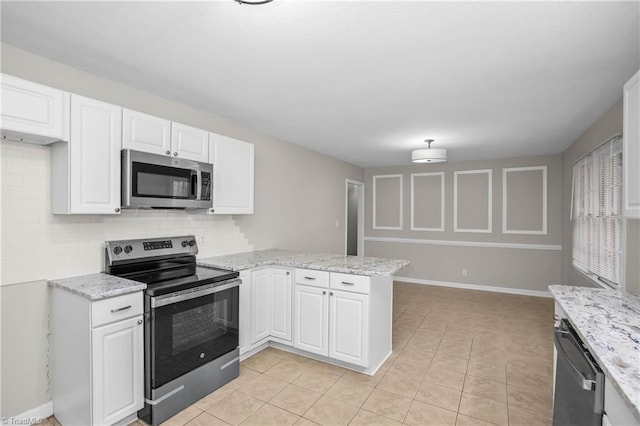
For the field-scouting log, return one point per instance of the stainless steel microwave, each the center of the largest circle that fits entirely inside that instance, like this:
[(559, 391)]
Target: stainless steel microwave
[(155, 181)]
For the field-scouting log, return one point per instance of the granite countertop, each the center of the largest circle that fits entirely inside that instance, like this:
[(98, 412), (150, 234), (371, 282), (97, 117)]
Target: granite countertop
[(319, 261), (98, 286), (608, 322)]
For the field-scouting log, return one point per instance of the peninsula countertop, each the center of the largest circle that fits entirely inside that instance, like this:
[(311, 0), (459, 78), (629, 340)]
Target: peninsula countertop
[(608, 322), (296, 259)]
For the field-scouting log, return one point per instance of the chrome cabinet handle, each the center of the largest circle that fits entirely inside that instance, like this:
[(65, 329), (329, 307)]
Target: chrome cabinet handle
[(309, 278), (117, 209), (288, 273), (175, 154), (331, 293), (324, 292), (139, 322), (348, 283), (124, 308), (168, 152)]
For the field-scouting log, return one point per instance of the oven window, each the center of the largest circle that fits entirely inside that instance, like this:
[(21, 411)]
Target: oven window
[(190, 333), (152, 180), (192, 327)]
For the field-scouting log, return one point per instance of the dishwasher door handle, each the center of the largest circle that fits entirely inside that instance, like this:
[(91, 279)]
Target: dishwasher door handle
[(586, 384)]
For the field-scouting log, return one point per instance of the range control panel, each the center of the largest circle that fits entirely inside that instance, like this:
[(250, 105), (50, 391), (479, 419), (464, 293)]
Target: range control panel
[(150, 247)]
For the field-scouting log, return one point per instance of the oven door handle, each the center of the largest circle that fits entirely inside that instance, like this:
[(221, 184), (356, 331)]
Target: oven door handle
[(168, 299)]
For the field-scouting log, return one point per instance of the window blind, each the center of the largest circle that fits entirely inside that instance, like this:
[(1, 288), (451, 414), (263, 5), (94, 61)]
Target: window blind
[(597, 207)]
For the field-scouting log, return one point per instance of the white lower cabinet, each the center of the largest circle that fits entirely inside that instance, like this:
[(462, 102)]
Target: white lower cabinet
[(117, 366), (616, 411), (311, 319), (271, 290), (97, 360), (244, 320), (349, 327), (331, 321), (343, 318)]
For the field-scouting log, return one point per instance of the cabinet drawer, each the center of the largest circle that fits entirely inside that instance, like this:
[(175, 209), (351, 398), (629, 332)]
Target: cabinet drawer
[(312, 278), (116, 308), (348, 282)]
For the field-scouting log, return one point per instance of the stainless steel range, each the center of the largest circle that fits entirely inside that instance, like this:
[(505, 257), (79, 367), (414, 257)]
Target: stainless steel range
[(191, 321)]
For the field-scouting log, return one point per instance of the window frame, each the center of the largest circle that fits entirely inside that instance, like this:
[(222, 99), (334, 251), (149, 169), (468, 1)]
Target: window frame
[(596, 215)]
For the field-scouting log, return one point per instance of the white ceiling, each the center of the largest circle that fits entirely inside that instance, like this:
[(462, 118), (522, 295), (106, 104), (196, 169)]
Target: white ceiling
[(363, 81)]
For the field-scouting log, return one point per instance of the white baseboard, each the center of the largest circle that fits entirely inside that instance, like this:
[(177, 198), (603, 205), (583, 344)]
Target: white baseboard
[(520, 291), (34, 416)]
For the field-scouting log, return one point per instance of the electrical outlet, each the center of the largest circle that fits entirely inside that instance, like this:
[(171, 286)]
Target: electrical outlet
[(464, 272)]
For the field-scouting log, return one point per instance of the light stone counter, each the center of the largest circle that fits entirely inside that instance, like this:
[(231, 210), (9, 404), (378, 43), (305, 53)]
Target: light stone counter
[(318, 261), (608, 322), (97, 286)]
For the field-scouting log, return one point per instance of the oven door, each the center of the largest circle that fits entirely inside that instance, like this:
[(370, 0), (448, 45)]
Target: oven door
[(156, 181), (190, 328)]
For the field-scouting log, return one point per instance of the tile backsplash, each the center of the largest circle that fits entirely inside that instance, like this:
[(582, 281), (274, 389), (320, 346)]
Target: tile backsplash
[(38, 245)]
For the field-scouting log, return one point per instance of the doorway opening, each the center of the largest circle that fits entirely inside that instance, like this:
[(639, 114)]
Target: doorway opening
[(354, 218)]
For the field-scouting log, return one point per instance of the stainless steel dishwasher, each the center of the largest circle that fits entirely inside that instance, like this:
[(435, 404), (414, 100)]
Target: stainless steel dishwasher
[(579, 392)]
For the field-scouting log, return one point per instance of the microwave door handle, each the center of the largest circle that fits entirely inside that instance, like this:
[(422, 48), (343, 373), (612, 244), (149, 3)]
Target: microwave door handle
[(198, 185), (194, 185)]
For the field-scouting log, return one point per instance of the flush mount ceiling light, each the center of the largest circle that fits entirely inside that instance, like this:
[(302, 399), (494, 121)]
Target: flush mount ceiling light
[(253, 1), (428, 155)]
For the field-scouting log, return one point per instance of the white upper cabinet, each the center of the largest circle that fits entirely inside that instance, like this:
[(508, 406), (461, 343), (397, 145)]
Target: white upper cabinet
[(144, 132), (233, 166), (147, 133), (32, 112), (86, 170), (631, 147), (189, 142)]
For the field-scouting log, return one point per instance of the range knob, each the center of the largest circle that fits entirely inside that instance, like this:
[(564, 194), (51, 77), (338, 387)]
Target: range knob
[(185, 243), (117, 250), (192, 243), (128, 249)]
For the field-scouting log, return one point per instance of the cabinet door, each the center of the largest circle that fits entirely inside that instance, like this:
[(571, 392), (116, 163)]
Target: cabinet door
[(94, 156), (232, 175), (260, 304), (311, 319), (35, 109), (189, 142), (117, 370), (349, 327), (244, 328), (144, 132), (631, 147), (281, 283)]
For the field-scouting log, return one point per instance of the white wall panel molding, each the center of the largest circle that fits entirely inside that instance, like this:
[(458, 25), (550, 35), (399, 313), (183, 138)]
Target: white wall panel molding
[(554, 247), (413, 201), (480, 287), (489, 200), (376, 199), (505, 200)]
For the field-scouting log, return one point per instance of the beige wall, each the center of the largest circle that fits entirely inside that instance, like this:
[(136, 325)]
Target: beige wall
[(602, 130), (529, 269), (299, 196)]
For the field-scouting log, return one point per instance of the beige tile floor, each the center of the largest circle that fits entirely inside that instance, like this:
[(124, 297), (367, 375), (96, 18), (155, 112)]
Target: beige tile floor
[(460, 357)]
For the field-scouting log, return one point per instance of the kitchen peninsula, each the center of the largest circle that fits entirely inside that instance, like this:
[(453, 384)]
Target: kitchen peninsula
[(334, 308)]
